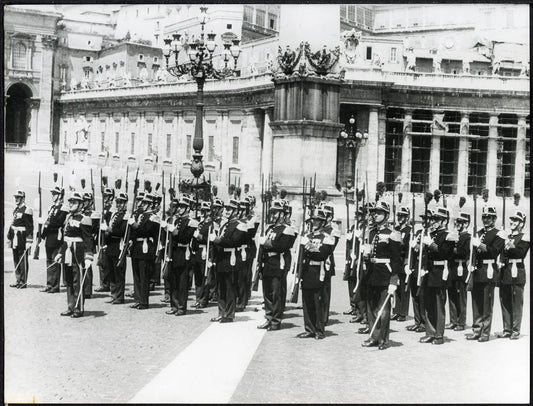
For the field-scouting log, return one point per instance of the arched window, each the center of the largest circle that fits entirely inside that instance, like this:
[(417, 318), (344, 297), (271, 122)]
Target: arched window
[(19, 56)]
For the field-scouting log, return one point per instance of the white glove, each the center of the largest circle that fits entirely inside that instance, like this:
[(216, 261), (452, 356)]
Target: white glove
[(196, 234), (88, 263), (366, 249), (103, 227), (452, 236), (476, 242), (427, 240), (392, 289), (163, 224), (131, 220), (212, 237), (58, 258), (262, 240), (407, 269), (304, 240), (357, 233), (41, 220), (171, 228)]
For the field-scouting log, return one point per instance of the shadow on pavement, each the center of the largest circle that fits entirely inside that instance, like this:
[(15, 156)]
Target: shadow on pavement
[(99, 295), (291, 315), (287, 326), (331, 322), (93, 313), (242, 318), (328, 333)]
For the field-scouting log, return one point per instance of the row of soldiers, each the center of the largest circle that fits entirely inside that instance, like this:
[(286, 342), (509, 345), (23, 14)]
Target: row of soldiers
[(215, 241)]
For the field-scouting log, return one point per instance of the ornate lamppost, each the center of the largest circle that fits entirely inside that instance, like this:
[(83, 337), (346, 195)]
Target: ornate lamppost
[(348, 143), (198, 63)]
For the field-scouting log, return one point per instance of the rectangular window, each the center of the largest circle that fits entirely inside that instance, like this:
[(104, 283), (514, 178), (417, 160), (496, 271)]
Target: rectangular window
[(19, 56), (235, 158), (351, 12), (132, 144), (188, 150), (272, 21), (393, 154), (420, 162), (260, 18), (63, 73), (344, 11), (65, 143), (449, 156), (360, 15), (368, 53), (87, 73), (149, 152), (393, 54), (117, 138), (169, 145), (102, 141), (248, 14), (210, 148)]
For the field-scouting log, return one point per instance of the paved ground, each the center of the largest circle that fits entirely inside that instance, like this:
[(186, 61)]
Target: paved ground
[(116, 354)]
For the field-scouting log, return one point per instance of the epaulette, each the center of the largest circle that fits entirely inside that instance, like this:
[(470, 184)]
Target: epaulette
[(288, 230), (396, 236), (524, 238), (193, 223), (502, 234), (86, 220), (28, 211), (154, 218), (64, 207), (328, 240), (126, 216), (335, 233), (242, 226), (95, 215)]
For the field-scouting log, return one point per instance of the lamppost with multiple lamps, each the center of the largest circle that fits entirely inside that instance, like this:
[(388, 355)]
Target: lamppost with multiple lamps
[(349, 140), (198, 63)]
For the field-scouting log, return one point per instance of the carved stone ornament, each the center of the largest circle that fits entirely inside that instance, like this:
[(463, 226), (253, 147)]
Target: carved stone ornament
[(351, 40), (438, 124), (322, 61), (288, 59), (49, 41)]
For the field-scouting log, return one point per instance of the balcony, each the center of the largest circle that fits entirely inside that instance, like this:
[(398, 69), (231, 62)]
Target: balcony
[(23, 74)]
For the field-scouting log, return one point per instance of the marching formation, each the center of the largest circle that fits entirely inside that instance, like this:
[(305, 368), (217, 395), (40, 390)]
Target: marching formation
[(226, 248)]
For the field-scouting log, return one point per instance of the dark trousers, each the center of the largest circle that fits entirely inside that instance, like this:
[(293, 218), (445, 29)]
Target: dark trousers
[(457, 302), (155, 276), (141, 280), (53, 273), (200, 282), (117, 276), (105, 272), (273, 297), (512, 302), (178, 278), (352, 296), (326, 296), (73, 276), (313, 309), (213, 286), (482, 304), (88, 283), (402, 298), (283, 282), (435, 309), (248, 280), (226, 294), (376, 298), (21, 273), (418, 301), (361, 298), (240, 275)]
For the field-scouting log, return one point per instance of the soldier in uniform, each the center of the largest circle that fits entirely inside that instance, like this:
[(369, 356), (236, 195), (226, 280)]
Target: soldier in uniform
[(489, 243), (155, 269), (20, 236), (200, 254), (287, 211), (402, 294), (513, 277), (88, 204), (243, 255), (384, 263), (108, 195), (440, 249), (53, 233), (330, 262), (231, 236), (182, 227), (144, 229), (457, 292), (318, 246), (252, 223), (137, 204), (278, 240), (76, 254), (114, 229), (350, 273), (216, 215)]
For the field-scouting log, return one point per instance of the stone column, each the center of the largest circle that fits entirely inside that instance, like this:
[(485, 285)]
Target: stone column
[(124, 138), (492, 155), (251, 153), (437, 131), (520, 157), (372, 150), (382, 138), (462, 159), (407, 151), (33, 122), (266, 156)]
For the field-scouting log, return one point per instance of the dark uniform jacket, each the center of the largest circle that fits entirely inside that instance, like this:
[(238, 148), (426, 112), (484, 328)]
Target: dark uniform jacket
[(181, 238), (438, 271), (21, 230), (460, 255), (348, 254), (330, 262), (279, 240), (95, 229), (53, 227), (313, 268), (199, 240), (513, 270), (405, 233), (231, 235), (384, 262), (144, 236), (415, 255), (116, 229), (486, 261), (77, 240)]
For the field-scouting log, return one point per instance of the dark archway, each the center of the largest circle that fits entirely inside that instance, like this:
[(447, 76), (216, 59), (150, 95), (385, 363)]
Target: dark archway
[(17, 114)]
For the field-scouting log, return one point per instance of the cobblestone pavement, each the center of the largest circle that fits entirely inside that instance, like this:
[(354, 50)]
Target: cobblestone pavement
[(113, 352)]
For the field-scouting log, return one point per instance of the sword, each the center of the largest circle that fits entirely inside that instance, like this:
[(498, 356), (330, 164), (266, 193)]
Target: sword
[(378, 317), (85, 270), (21, 258)]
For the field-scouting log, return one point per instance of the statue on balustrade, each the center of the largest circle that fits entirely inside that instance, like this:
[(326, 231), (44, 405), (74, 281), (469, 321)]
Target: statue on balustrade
[(436, 63), (143, 75), (82, 133), (73, 83), (410, 60)]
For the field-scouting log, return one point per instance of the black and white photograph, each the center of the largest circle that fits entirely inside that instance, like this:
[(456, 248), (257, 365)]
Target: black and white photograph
[(266, 203)]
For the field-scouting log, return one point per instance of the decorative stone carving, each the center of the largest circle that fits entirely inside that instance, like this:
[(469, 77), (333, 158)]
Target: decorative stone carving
[(322, 61), (288, 59), (410, 60), (350, 40), (49, 41)]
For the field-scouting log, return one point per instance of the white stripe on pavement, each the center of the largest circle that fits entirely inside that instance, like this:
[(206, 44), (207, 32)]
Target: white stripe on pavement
[(228, 347)]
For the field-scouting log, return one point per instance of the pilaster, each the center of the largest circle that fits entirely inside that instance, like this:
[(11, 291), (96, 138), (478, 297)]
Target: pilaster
[(407, 150), (437, 131), (492, 155), (462, 161), (520, 157)]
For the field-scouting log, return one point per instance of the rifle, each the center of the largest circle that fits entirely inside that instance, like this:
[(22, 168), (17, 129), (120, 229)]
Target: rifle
[(361, 242), (472, 256), (296, 266), (421, 250), (126, 183), (168, 239), (125, 241), (412, 239), (351, 255), (92, 191), (101, 250), (159, 247), (40, 227), (259, 253)]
